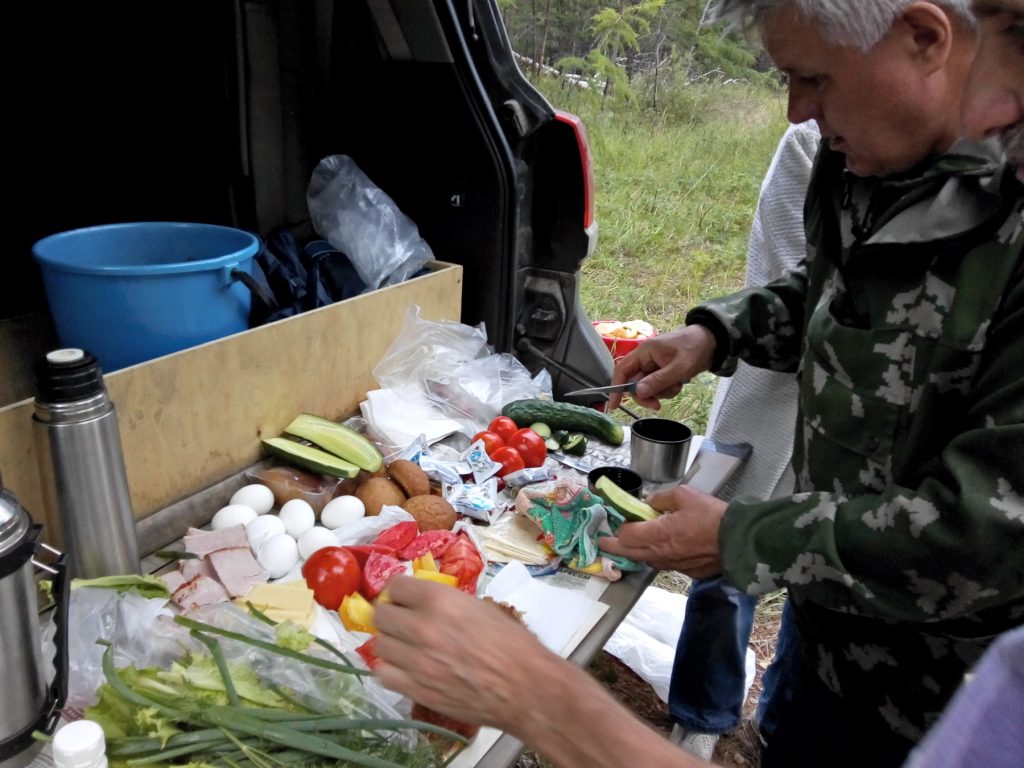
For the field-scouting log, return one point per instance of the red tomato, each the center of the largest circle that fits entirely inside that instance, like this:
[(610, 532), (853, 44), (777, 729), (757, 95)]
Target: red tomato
[(510, 460), (492, 442), (362, 551), (503, 427), (463, 561), (378, 571), (332, 573), (434, 542), (530, 445), (398, 535)]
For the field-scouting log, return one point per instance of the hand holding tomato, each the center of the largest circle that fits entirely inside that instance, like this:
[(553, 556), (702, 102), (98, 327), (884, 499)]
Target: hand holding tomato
[(530, 446), (332, 573)]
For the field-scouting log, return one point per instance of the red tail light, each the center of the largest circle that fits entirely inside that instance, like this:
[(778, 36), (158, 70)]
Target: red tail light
[(588, 165)]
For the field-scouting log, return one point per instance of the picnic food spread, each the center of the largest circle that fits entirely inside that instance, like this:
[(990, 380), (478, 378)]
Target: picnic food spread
[(270, 607)]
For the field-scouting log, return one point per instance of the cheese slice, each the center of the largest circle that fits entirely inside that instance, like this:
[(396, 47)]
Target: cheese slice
[(292, 597)]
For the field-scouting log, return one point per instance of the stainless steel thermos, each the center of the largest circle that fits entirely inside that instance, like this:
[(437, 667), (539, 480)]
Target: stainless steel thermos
[(30, 702), (82, 465)]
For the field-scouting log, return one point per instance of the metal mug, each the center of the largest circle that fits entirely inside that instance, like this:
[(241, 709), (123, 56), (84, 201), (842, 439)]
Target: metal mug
[(659, 448)]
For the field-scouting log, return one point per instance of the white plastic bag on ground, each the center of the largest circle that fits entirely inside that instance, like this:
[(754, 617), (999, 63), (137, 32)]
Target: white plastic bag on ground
[(646, 639)]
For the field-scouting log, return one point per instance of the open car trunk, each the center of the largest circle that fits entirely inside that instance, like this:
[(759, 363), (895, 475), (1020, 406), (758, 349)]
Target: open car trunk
[(219, 111)]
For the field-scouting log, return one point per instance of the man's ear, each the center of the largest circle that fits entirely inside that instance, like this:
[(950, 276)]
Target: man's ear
[(928, 34)]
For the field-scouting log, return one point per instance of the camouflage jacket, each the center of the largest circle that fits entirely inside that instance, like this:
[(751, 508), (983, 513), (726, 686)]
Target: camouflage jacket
[(903, 546)]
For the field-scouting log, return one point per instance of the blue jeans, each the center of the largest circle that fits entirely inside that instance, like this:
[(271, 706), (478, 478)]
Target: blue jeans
[(709, 672), (776, 686), (708, 675)]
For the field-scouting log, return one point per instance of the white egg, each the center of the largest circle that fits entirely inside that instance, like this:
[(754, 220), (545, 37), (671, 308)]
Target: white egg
[(316, 538), (231, 515), (278, 555), (261, 528), (342, 511), (255, 495), (298, 517)]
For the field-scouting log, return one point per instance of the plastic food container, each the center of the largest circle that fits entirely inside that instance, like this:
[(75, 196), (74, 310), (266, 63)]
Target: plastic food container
[(620, 346)]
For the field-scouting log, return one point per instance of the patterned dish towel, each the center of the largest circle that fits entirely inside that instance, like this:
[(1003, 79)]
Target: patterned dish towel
[(573, 521)]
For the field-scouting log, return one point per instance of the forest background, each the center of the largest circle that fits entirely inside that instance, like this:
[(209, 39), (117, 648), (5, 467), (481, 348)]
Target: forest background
[(683, 119)]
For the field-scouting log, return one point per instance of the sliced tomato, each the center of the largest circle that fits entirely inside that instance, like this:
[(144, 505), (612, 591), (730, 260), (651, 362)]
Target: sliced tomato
[(368, 651), (362, 551), (503, 427), (398, 536), (378, 571), (463, 561), (434, 542)]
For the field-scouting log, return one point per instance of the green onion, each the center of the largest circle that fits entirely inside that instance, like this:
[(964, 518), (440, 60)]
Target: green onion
[(303, 657)]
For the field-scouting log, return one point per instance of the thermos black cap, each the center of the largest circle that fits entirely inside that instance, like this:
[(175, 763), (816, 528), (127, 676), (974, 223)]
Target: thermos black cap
[(67, 375)]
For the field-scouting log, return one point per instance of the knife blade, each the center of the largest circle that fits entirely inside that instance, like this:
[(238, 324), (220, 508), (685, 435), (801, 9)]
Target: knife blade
[(629, 386)]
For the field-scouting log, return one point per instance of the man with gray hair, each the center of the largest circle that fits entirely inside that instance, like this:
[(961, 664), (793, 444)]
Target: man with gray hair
[(903, 547)]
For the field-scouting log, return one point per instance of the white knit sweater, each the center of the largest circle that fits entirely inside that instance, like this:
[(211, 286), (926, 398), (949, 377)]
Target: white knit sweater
[(755, 405)]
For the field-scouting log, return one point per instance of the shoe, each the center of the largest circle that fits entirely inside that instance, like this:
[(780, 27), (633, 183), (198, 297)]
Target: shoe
[(698, 744)]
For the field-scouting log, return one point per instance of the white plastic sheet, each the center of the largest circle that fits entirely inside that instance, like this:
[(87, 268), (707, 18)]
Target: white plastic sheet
[(646, 639)]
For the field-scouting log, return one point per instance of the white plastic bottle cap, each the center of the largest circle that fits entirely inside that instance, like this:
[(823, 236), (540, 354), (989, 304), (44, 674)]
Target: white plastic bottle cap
[(69, 355), (80, 745)]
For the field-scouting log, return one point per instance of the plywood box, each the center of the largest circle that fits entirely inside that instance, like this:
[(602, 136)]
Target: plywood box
[(191, 419)]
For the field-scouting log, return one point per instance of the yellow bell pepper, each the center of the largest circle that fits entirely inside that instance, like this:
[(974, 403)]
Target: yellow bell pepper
[(424, 563), (356, 613), (441, 578)]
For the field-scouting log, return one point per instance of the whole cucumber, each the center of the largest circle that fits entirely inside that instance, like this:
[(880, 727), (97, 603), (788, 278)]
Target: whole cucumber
[(575, 418)]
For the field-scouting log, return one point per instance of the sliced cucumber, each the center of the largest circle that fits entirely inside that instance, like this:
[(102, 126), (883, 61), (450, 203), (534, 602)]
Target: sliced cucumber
[(551, 444), (575, 444), (630, 506), (308, 457), (561, 435), (337, 439), (541, 429)]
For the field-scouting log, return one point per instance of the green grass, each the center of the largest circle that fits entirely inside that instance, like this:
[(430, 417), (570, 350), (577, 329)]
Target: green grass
[(675, 195)]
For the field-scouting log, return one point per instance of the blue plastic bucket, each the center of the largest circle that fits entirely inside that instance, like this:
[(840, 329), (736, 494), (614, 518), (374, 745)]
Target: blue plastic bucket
[(132, 292)]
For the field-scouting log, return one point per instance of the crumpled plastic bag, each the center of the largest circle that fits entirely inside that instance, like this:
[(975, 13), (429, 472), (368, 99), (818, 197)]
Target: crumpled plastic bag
[(143, 633), (454, 368), (363, 222), (573, 521)]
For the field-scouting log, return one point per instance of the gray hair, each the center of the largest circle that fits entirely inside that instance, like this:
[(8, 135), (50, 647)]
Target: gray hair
[(857, 23)]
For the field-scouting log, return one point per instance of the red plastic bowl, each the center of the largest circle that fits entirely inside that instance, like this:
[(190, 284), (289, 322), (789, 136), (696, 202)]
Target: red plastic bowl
[(620, 347)]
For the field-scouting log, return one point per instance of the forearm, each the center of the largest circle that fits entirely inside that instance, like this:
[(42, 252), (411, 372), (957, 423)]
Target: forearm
[(762, 326), (904, 554), (572, 720)]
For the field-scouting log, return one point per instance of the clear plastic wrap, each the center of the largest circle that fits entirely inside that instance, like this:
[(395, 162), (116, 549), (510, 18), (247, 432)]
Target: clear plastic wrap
[(452, 366), (143, 633)]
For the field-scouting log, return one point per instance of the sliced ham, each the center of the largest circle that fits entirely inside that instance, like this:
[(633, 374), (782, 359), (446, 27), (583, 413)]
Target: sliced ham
[(202, 543), (173, 580), (237, 570), (199, 592), (192, 568)]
